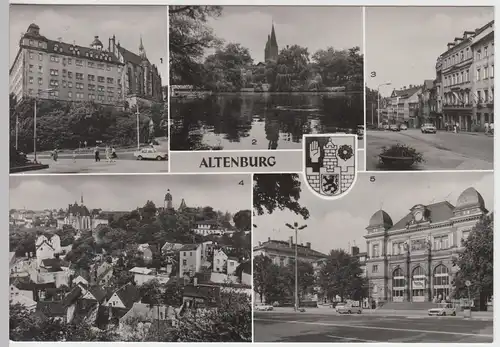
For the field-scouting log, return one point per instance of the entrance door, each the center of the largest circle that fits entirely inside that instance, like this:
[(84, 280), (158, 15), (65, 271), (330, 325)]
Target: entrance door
[(418, 285)]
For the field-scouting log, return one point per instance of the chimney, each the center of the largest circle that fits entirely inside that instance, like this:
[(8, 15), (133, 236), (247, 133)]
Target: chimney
[(450, 45), (290, 241), (308, 245)]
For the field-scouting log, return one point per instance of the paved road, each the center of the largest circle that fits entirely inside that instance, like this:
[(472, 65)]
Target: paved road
[(441, 151), (90, 166), (304, 327)]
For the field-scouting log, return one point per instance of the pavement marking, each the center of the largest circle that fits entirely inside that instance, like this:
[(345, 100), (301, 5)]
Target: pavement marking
[(376, 328), (350, 338)]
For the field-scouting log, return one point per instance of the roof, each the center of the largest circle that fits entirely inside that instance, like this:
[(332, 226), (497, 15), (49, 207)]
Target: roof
[(206, 292), (128, 294), (190, 247), (147, 313), (129, 56), (55, 263), (233, 258), (72, 296), (380, 219), (406, 93), (470, 198), (169, 246), (141, 270), (30, 285), (428, 84), (437, 212), (51, 308), (77, 210), (284, 247), (98, 293)]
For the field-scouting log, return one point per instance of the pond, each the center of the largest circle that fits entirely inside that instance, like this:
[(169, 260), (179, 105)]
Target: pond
[(261, 121)]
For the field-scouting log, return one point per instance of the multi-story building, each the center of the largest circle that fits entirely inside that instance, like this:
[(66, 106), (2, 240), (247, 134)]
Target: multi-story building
[(54, 69), (208, 227), (412, 260), (467, 75), (282, 253), (189, 260), (58, 70), (425, 104), (402, 106)]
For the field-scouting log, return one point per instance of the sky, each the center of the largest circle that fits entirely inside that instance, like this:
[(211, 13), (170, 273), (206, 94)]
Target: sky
[(312, 27), (342, 222), (127, 192), (82, 23), (403, 43)]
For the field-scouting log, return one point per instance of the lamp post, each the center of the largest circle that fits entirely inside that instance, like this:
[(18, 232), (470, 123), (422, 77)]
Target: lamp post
[(34, 118), (138, 132), (378, 101), (296, 227)]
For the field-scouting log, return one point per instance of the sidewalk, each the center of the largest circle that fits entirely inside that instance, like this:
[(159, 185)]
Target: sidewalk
[(381, 312)]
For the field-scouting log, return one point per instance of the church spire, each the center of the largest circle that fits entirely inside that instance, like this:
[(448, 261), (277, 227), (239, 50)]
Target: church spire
[(142, 51), (274, 42), (81, 198)]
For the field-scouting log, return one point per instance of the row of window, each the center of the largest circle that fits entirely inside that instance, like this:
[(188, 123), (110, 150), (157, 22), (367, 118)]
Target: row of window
[(467, 54), (441, 276), (464, 97), (481, 74), (69, 61), (78, 95)]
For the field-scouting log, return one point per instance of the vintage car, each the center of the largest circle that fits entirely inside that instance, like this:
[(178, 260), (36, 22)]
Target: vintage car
[(348, 307), (443, 309), (428, 128), (150, 153), (263, 307), (403, 127), (394, 127)]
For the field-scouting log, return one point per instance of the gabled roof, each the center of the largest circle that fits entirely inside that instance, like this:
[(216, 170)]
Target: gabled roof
[(128, 294), (54, 263), (406, 93), (141, 270), (190, 247), (146, 313), (437, 212), (284, 247), (98, 293), (207, 292), (233, 258), (72, 296), (129, 56)]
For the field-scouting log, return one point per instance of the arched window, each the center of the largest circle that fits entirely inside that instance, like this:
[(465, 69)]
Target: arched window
[(418, 284), (398, 285), (441, 282)]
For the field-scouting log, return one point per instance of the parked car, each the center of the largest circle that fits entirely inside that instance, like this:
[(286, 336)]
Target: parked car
[(150, 153), (385, 126), (263, 307), (348, 308), (444, 309), (394, 127), (403, 127), (428, 128)]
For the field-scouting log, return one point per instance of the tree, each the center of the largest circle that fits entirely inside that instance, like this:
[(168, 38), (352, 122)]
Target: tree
[(151, 293), (476, 263), (149, 210), (277, 191), (189, 38), (243, 220), (305, 276), (341, 275), (261, 265)]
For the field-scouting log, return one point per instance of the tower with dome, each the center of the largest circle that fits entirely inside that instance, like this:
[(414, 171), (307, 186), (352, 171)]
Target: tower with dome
[(412, 260)]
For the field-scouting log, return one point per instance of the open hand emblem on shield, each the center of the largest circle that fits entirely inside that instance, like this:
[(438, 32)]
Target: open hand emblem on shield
[(330, 163)]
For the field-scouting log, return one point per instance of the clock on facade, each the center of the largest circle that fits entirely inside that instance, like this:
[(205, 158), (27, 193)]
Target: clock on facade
[(418, 216)]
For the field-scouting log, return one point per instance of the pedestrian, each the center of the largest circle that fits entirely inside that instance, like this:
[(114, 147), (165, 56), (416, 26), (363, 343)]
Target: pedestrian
[(486, 128), (55, 154), (74, 156), (491, 129), (458, 127), (96, 154), (113, 153), (108, 154)]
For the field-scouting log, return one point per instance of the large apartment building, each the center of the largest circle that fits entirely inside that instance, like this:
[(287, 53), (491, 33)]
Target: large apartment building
[(54, 69)]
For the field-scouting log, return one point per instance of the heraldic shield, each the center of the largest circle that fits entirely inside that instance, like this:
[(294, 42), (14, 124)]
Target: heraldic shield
[(330, 163)]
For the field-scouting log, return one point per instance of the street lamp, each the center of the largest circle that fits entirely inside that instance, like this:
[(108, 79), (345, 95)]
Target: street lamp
[(296, 227), (378, 101), (40, 91)]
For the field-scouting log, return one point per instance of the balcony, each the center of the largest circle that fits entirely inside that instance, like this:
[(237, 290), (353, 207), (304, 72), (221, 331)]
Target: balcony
[(465, 107)]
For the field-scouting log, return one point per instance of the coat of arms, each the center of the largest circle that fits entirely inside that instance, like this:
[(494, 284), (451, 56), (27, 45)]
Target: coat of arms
[(330, 163)]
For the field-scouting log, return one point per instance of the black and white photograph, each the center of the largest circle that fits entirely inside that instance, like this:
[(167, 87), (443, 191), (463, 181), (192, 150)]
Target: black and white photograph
[(259, 77), (430, 88), (86, 86), (413, 263), (163, 260)]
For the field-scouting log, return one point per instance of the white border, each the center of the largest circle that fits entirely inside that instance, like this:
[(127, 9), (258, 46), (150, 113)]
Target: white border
[(304, 167)]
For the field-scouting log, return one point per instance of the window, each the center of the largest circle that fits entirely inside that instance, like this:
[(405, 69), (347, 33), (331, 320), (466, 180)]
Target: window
[(70, 74), (479, 96), (64, 84), (79, 85), (190, 254), (398, 279), (441, 242), (90, 64), (376, 250), (467, 75), (184, 253), (100, 66), (461, 77), (184, 262), (100, 79), (70, 61), (70, 84), (108, 67), (40, 80), (110, 89), (101, 89), (79, 76), (485, 72), (478, 54), (465, 236), (54, 58), (32, 43), (486, 95), (54, 93), (461, 55), (485, 51), (91, 96), (54, 83), (110, 80), (54, 72), (478, 74), (91, 86), (30, 92), (375, 268), (441, 281), (91, 77), (31, 80), (79, 62)]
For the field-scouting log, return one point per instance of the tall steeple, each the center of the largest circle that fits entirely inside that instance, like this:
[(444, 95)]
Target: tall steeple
[(274, 42), (271, 50), (142, 51), (81, 198)]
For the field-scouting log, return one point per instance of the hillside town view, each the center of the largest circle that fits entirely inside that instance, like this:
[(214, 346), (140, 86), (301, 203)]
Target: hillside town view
[(264, 84), (439, 114), (406, 266), (87, 102), (175, 269)]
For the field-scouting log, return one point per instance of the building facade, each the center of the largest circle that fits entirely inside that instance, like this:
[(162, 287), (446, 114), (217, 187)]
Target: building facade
[(282, 253), (271, 51), (69, 71), (403, 106), (189, 260), (412, 260), (467, 70)]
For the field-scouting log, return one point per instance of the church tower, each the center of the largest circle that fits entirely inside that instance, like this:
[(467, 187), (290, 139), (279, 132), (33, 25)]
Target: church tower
[(167, 203), (271, 50)]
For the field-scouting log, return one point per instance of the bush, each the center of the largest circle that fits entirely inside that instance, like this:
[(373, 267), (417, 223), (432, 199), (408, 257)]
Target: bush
[(402, 151)]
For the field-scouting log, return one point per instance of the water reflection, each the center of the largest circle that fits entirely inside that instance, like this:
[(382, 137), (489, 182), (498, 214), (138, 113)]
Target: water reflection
[(261, 121)]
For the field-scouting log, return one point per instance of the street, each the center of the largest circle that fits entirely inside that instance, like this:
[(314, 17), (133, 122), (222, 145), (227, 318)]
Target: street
[(441, 151), (366, 327)]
